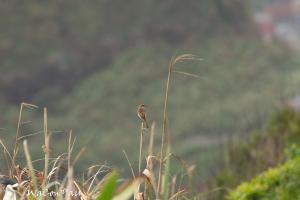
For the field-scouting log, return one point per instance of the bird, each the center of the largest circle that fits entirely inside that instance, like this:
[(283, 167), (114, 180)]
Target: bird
[(10, 189), (141, 112)]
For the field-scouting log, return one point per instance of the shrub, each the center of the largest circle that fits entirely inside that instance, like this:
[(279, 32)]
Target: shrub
[(278, 183)]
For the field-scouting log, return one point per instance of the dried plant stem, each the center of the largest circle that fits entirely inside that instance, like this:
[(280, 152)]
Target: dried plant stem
[(16, 147), (171, 65), (46, 146), (164, 127), (29, 163), (6, 155), (129, 163), (16, 141), (150, 158), (70, 183), (151, 142), (70, 168), (141, 148)]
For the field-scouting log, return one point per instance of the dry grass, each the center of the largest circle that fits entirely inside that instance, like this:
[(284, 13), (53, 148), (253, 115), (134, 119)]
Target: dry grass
[(171, 66), (58, 174)]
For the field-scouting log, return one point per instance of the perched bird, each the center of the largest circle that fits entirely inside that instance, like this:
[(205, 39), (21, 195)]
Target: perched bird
[(10, 189), (141, 112)]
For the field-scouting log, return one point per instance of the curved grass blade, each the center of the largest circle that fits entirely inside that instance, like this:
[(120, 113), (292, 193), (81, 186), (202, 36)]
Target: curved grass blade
[(129, 190), (109, 187)]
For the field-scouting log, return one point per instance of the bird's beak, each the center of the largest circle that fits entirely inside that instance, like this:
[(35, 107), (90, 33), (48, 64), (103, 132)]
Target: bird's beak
[(15, 186)]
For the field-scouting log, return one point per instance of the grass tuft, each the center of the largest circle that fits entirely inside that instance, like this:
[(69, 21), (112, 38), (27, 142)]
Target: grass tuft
[(57, 179)]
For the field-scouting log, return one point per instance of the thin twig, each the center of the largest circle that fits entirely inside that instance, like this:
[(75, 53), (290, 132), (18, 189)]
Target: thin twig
[(46, 146), (187, 74), (79, 154), (5, 153), (141, 147), (129, 163)]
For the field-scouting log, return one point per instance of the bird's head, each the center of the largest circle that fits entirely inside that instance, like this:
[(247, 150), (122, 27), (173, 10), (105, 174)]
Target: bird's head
[(7, 182), (9, 191)]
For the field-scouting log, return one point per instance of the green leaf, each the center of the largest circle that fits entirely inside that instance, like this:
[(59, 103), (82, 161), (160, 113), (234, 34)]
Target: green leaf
[(109, 187), (165, 189), (31, 197), (128, 191)]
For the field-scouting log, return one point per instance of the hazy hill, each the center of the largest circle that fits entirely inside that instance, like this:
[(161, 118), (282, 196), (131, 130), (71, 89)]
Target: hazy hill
[(51, 46)]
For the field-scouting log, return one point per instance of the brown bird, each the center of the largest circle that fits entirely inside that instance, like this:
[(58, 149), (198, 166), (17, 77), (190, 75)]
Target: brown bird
[(141, 112)]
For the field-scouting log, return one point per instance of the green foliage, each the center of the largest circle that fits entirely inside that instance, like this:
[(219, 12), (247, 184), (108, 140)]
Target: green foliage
[(293, 151), (166, 175), (128, 191), (279, 183), (109, 187), (107, 100), (48, 47), (265, 148), (92, 68), (89, 65), (225, 95)]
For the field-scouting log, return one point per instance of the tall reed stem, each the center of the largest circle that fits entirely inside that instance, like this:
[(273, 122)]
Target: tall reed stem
[(141, 148), (16, 147), (46, 146), (164, 127), (171, 65)]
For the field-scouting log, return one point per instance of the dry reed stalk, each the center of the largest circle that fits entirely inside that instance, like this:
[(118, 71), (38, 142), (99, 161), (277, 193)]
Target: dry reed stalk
[(129, 163), (171, 65), (16, 146), (30, 166), (173, 185), (7, 155), (140, 152), (149, 166), (70, 184), (46, 147), (151, 140), (141, 146)]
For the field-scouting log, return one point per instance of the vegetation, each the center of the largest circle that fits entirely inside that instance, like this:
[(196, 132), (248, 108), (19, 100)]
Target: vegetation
[(37, 184), (89, 66), (222, 100), (92, 68), (49, 47), (265, 148), (278, 183), (82, 61)]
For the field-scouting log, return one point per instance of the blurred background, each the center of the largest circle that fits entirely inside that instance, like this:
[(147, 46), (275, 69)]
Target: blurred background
[(92, 62)]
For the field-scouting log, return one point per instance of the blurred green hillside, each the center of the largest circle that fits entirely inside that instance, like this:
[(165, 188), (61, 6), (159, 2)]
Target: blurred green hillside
[(264, 165), (51, 46), (92, 63), (278, 183), (268, 147)]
